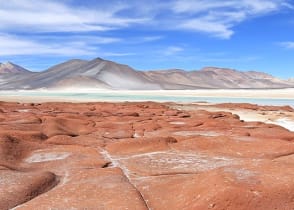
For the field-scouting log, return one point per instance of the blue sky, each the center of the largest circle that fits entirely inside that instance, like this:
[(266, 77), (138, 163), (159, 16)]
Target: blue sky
[(154, 34)]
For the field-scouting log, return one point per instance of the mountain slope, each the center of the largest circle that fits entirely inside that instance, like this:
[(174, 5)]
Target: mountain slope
[(11, 68), (78, 73), (230, 78), (11, 75), (103, 74), (213, 77)]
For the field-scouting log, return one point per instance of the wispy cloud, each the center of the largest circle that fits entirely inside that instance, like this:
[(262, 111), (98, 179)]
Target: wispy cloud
[(31, 27), (151, 38), (287, 45), (70, 46), (57, 16), (172, 50), (13, 45), (219, 17), (215, 17), (89, 39)]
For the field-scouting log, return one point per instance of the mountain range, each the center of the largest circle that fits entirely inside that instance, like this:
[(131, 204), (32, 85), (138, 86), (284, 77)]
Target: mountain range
[(104, 74)]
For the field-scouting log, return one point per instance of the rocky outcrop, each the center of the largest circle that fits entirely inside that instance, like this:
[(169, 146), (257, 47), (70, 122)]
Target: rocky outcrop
[(141, 156)]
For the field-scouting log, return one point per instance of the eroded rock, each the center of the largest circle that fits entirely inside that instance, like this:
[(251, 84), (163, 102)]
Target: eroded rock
[(142, 156)]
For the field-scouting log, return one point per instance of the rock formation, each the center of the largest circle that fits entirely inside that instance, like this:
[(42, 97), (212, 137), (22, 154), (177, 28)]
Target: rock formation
[(141, 156)]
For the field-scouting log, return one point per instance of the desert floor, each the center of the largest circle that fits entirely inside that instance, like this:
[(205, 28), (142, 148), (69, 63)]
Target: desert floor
[(144, 155)]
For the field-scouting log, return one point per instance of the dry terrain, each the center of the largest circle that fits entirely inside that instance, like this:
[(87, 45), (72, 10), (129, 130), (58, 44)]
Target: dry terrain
[(104, 74), (142, 156)]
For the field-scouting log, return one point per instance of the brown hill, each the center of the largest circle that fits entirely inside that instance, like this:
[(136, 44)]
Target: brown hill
[(103, 74)]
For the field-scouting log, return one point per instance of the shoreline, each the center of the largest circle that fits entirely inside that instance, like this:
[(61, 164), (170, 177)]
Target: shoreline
[(279, 117), (286, 93), (282, 118), (212, 97), (261, 97)]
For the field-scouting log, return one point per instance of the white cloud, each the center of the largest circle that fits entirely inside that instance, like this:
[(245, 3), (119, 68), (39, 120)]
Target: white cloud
[(212, 27), (219, 17), (90, 39), (12, 45), (172, 50), (247, 6), (151, 38), (287, 45), (210, 16), (77, 46), (190, 6), (142, 40), (23, 23), (55, 16)]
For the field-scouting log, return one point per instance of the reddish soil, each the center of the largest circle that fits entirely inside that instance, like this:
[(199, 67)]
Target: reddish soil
[(141, 156)]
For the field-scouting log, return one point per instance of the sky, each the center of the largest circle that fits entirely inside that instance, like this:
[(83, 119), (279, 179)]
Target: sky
[(151, 34)]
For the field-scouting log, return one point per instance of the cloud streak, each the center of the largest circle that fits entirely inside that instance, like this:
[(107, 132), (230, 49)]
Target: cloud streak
[(65, 28), (209, 16), (172, 50), (218, 18), (13, 45), (287, 45), (58, 46), (55, 16)]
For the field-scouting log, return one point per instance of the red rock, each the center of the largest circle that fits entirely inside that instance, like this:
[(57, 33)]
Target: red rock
[(140, 156), (83, 140), (172, 113), (141, 145), (61, 158), (65, 126), (90, 189), (225, 188), (19, 187)]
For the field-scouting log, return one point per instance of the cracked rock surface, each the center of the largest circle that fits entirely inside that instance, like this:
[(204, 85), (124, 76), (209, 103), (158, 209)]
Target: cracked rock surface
[(141, 156)]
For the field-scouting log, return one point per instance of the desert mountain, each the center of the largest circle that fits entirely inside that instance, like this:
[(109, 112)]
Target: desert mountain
[(11, 68), (11, 75), (213, 77), (97, 73), (103, 74)]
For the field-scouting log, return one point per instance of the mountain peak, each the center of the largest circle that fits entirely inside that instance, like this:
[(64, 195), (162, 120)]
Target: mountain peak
[(98, 59), (9, 67)]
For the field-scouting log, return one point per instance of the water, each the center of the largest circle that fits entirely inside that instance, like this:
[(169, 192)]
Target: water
[(137, 96)]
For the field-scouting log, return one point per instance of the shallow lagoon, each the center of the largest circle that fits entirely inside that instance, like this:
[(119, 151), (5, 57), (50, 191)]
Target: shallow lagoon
[(186, 97)]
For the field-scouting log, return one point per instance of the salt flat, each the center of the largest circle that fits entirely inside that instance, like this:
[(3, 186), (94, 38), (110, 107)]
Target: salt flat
[(268, 96)]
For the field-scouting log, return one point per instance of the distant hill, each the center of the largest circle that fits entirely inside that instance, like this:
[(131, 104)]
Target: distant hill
[(11, 68), (104, 74), (213, 77), (11, 76)]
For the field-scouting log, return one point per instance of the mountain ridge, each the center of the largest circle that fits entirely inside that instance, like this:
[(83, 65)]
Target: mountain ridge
[(105, 74), (9, 67)]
